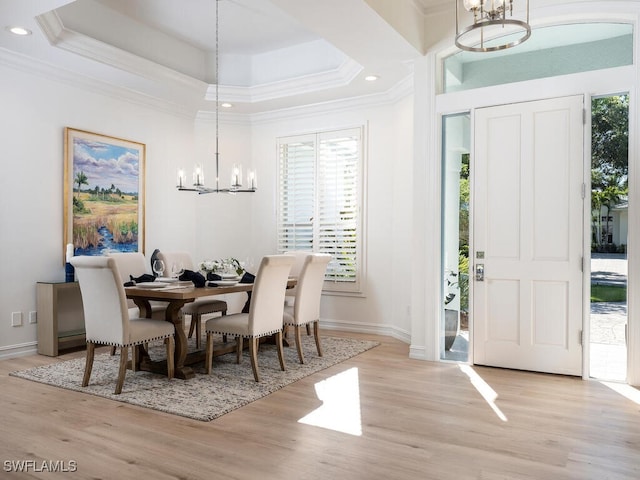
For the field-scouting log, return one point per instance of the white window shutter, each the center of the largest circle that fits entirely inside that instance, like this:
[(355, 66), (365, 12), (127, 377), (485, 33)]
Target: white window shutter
[(319, 201)]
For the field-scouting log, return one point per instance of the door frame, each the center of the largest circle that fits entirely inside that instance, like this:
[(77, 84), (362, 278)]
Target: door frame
[(589, 84)]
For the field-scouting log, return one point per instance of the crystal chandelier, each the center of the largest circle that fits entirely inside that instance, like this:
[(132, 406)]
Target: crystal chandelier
[(198, 171), (491, 30)]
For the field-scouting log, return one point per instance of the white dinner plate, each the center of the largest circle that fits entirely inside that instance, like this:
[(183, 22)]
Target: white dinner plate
[(151, 285), (229, 276), (166, 279), (224, 283)]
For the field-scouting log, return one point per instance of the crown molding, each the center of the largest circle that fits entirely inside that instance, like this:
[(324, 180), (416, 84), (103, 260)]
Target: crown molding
[(61, 37), (338, 77), (51, 72), (66, 39), (400, 90)]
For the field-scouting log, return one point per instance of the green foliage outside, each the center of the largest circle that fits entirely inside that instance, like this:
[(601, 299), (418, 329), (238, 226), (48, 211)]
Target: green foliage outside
[(609, 164), (463, 230), (608, 293)]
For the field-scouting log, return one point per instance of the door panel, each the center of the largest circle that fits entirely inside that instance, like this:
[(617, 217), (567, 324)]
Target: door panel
[(528, 234)]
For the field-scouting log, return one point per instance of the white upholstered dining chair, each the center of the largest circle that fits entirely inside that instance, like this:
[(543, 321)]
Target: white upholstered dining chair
[(264, 317), (106, 317), (306, 308), (296, 269), (201, 306), (134, 264)]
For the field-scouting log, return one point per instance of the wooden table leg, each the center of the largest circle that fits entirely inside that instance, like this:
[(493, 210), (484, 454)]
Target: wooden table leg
[(173, 315)]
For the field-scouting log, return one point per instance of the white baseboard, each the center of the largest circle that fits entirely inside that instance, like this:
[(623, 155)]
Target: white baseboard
[(374, 329), (30, 348), (417, 353), (21, 350)]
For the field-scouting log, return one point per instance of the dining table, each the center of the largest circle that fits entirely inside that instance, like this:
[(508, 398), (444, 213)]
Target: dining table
[(176, 295)]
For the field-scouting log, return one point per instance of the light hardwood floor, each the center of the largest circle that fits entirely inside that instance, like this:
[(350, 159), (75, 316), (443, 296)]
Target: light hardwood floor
[(419, 420)]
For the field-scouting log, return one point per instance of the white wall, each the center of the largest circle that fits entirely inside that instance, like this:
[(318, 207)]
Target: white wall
[(35, 111), (388, 134)]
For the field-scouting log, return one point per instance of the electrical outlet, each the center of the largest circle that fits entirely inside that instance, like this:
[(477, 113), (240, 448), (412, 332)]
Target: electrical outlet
[(16, 319), (33, 317)]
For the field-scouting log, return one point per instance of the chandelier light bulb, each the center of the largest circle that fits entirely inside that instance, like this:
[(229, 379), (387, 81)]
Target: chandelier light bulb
[(182, 179), (198, 176), (236, 176), (471, 5)]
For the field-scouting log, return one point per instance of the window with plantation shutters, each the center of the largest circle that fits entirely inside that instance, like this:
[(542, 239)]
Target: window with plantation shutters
[(319, 200)]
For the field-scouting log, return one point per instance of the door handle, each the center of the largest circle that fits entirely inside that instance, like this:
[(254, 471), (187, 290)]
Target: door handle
[(480, 272)]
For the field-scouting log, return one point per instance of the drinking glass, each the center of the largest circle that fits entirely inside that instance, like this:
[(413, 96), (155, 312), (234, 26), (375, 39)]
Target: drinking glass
[(177, 269), (158, 267)]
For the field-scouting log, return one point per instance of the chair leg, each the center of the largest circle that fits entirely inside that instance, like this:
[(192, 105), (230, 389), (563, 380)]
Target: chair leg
[(299, 342), (316, 334), (135, 358), (191, 327), (208, 361), (222, 314), (198, 321), (239, 348), (308, 329), (280, 349), (91, 348), (253, 353), (170, 361), (113, 351), (124, 356)]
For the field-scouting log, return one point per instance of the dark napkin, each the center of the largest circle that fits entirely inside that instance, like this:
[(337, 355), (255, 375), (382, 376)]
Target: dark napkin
[(196, 277), (213, 276), (247, 278), (145, 277)]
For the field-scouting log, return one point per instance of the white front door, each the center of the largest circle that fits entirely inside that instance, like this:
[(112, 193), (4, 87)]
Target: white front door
[(528, 236)]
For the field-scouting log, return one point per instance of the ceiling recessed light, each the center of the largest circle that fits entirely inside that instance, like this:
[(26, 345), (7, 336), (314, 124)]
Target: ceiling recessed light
[(19, 30), (371, 78), (226, 105)]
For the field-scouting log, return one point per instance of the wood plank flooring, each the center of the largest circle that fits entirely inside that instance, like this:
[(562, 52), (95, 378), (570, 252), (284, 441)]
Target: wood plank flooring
[(419, 420)]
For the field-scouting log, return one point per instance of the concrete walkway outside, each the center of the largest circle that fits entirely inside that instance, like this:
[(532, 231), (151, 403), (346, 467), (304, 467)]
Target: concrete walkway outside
[(608, 320)]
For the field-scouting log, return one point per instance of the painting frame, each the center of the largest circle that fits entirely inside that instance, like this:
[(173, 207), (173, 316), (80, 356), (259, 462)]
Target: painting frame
[(109, 214)]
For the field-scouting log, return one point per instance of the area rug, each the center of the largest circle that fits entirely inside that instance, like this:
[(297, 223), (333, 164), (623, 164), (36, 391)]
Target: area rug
[(204, 397)]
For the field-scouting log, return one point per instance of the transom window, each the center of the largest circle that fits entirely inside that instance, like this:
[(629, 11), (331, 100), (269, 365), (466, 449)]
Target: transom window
[(551, 51)]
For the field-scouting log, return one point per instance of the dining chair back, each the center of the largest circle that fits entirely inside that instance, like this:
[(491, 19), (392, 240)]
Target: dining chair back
[(134, 265), (264, 317), (106, 316), (267, 298), (130, 264), (170, 258), (306, 309), (200, 306), (300, 256)]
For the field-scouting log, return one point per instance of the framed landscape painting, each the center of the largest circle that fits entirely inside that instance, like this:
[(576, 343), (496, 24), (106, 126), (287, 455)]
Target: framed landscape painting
[(103, 193)]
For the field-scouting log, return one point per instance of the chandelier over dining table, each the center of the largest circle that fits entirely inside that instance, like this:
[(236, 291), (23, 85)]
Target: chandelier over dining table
[(236, 185)]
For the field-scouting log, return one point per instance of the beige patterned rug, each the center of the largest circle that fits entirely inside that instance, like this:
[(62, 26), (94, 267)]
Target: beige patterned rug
[(204, 397)]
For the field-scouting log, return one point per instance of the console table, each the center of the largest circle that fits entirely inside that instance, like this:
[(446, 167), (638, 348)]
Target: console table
[(60, 317)]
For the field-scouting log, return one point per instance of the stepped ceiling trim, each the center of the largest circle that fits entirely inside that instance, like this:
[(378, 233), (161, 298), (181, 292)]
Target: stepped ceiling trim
[(64, 38), (339, 77), (74, 42), (33, 66)]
